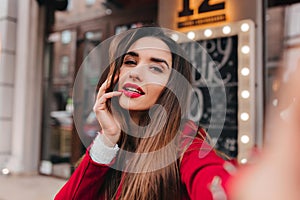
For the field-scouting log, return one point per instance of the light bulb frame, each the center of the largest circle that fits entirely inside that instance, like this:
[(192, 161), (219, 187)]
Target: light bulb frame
[(246, 82)]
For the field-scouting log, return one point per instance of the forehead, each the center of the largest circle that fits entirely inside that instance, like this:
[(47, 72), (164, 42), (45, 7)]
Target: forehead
[(149, 43)]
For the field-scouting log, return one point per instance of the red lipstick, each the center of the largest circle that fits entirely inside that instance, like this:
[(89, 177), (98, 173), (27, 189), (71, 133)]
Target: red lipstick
[(132, 90)]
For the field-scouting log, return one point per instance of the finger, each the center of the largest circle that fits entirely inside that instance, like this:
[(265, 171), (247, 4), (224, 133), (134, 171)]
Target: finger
[(109, 95), (101, 103), (103, 88)]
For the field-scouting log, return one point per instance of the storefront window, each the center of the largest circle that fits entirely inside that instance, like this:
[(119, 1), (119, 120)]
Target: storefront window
[(282, 49), (121, 28), (70, 5), (57, 105), (91, 70), (85, 88), (90, 2), (64, 66), (66, 37)]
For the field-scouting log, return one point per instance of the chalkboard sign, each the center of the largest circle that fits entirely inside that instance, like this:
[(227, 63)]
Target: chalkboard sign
[(215, 82)]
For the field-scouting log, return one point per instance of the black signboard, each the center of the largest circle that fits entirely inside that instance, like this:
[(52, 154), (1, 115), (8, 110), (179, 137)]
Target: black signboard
[(272, 3), (207, 7), (215, 82)]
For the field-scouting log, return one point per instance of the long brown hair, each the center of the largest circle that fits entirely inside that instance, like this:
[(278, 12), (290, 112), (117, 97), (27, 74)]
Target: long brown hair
[(156, 175)]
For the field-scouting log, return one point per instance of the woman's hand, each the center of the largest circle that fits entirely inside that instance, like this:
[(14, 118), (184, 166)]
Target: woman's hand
[(110, 126), (276, 173)]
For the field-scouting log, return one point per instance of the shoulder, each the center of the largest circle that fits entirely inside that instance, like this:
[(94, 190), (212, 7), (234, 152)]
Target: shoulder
[(197, 150), (201, 154)]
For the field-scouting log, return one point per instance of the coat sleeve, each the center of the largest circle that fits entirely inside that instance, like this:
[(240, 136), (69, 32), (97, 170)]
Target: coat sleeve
[(204, 174), (85, 182)]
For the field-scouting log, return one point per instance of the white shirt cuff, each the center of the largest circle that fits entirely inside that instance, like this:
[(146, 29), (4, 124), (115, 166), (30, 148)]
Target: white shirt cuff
[(102, 154)]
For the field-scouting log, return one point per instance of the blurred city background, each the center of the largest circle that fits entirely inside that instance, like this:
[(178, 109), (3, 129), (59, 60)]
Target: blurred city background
[(44, 43)]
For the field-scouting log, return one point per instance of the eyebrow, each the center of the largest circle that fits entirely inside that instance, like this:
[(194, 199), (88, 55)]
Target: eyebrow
[(131, 53), (158, 60)]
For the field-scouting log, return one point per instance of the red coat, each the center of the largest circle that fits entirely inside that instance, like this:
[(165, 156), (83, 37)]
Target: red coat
[(203, 178)]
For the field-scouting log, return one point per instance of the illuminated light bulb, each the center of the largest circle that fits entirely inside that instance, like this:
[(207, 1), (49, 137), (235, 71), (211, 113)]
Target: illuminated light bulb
[(174, 37), (226, 30), (108, 11), (245, 49), (275, 102), (5, 171), (275, 85), (245, 94), (208, 33), (245, 71), (245, 116), (191, 35), (245, 27), (245, 139), (244, 161)]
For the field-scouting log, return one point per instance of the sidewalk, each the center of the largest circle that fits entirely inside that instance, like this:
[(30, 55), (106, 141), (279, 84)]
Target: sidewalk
[(29, 187)]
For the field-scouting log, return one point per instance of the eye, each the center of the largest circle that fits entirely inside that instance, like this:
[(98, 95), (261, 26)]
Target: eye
[(129, 62), (156, 69)]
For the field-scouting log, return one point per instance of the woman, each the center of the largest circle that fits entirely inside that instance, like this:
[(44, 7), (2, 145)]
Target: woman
[(147, 149)]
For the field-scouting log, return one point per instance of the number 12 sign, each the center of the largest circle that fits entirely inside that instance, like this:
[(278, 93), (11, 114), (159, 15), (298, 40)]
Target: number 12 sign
[(206, 13)]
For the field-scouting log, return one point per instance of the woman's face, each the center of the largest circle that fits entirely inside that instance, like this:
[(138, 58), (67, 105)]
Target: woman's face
[(144, 73)]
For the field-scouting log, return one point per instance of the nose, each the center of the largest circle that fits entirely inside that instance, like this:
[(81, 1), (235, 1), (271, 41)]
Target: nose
[(136, 73)]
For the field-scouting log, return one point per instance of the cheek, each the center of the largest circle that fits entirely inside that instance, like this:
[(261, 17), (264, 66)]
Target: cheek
[(155, 91), (121, 77), (122, 72)]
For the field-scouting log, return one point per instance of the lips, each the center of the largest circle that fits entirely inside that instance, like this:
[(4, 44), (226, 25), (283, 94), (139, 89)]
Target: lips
[(132, 90)]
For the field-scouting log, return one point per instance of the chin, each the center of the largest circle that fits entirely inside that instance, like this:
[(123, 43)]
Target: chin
[(131, 106)]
